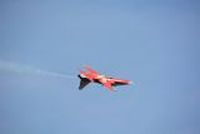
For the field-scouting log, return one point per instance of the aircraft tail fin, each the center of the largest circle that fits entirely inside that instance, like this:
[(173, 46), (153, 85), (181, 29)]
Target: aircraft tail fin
[(84, 82)]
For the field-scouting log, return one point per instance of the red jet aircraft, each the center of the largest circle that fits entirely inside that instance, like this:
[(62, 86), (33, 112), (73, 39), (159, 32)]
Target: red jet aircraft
[(91, 75)]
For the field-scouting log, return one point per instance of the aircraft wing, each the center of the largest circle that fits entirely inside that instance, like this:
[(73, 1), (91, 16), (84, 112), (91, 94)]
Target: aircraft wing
[(91, 70), (108, 85)]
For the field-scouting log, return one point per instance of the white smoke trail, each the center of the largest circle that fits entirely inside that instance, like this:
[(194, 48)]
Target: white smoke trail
[(24, 69)]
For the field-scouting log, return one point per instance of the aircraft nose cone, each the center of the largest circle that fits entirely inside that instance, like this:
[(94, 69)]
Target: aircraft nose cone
[(130, 82)]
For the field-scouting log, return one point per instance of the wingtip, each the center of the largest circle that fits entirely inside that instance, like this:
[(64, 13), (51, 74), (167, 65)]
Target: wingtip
[(86, 66)]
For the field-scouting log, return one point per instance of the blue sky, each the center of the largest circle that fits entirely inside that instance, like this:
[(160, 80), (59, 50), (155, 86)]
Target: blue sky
[(155, 43)]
